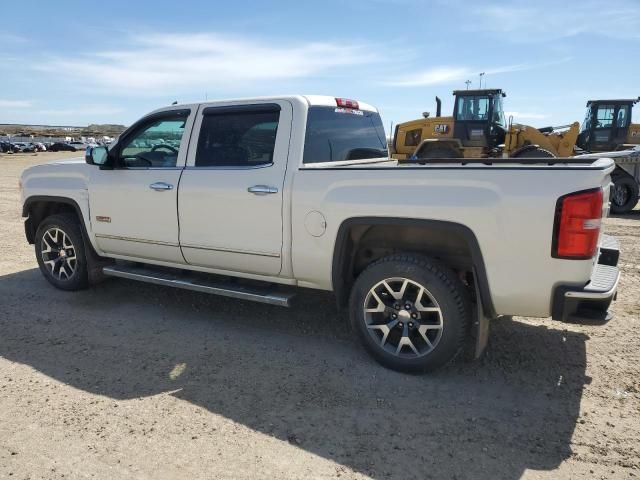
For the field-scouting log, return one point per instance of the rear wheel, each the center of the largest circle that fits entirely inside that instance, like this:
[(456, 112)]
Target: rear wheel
[(410, 312), (534, 153), (60, 252), (624, 193)]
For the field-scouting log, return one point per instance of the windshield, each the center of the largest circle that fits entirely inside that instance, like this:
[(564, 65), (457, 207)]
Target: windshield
[(473, 107), (335, 134), (586, 125)]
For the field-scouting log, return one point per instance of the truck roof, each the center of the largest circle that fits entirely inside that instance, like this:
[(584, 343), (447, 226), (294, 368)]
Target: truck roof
[(311, 100)]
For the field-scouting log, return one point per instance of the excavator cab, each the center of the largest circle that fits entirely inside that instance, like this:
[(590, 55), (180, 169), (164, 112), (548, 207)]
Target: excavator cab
[(606, 125), (479, 118)]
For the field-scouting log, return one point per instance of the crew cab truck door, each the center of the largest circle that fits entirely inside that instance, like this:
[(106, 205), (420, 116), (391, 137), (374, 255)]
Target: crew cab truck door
[(230, 198), (134, 205)]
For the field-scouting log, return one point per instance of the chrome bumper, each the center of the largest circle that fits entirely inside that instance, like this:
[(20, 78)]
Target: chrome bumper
[(591, 303)]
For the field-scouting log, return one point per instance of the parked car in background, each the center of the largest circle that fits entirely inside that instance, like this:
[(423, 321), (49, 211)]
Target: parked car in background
[(62, 147), (24, 147), (8, 147), (78, 145)]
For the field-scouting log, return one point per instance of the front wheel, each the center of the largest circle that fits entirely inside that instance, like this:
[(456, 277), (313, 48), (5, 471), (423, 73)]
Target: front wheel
[(60, 252), (410, 312)]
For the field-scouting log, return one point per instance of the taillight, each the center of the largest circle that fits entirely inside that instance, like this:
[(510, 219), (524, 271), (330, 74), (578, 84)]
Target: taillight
[(577, 225), (346, 103)]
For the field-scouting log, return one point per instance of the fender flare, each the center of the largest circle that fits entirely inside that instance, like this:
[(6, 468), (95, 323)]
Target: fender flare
[(30, 229), (341, 253)]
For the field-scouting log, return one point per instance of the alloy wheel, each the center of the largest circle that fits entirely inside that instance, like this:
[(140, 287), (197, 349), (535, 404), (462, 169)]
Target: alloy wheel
[(403, 317), (58, 253), (620, 194)]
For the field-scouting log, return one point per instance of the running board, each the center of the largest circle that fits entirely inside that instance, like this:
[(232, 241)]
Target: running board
[(269, 294)]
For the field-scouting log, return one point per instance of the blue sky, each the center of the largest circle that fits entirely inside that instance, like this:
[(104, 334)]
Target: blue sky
[(80, 62)]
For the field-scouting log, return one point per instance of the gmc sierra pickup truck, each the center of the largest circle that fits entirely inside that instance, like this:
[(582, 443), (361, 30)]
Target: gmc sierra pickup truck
[(252, 198)]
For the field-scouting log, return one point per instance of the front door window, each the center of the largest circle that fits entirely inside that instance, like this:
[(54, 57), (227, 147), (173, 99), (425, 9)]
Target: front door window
[(154, 145)]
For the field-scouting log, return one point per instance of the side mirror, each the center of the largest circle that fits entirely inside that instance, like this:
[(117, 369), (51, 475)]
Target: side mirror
[(97, 156)]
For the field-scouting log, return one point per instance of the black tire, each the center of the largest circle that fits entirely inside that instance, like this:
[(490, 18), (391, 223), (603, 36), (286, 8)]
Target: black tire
[(441, 284), (533, 153), (624, 192), (438, 152), (76, 272)]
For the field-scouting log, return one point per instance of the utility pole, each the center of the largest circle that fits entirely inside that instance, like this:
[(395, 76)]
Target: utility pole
[(468, 82), (481, 75)]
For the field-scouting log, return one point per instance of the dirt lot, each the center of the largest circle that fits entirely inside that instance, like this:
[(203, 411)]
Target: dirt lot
[(128, 380)]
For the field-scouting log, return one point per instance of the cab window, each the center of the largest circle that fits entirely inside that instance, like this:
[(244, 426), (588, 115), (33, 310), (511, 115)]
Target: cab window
[(155, 144), (339, 134), (473, 108), (243, 138), (604, 117)]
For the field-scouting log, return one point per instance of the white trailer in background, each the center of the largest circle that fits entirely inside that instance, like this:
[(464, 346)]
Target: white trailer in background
[(625, 178)]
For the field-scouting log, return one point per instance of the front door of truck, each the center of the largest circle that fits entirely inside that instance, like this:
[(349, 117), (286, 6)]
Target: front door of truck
[(134, 205), (231, 194)]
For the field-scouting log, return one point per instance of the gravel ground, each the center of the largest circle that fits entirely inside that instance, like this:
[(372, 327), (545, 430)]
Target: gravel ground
[(128, 380)]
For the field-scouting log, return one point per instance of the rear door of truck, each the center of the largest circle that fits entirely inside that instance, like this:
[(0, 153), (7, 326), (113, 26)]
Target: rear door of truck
[(230, 197)]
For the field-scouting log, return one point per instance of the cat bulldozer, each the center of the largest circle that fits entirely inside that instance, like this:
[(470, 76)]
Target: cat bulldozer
[(478, 129)]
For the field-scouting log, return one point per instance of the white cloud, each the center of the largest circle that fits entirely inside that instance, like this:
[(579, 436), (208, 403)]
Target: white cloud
[(6, 37), (15, 103), (83, 110), (535, 22), (164, 63), (432, 76), (448, 74)]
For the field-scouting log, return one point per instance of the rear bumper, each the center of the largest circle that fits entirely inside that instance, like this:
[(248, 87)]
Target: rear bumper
[(591, 303)]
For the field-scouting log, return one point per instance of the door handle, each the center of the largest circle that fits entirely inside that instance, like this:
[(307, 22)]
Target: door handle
[(161, 186), (262, 190)]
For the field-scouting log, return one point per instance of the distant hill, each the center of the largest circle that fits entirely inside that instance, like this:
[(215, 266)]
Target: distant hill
[(93, 130), (110, 129)]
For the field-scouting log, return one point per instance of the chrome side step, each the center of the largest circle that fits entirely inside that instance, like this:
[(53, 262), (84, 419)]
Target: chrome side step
[(269, 294)]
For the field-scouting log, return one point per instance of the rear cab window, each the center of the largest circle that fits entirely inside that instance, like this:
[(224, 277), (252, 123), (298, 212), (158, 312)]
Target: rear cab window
[(337, 134)]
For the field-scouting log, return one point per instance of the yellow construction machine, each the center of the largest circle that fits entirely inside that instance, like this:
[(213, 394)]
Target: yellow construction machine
[(607, 126), (478, 129)]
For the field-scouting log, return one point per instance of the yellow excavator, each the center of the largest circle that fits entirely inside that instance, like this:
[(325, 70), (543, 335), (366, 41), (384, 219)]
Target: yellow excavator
[(478, 129)]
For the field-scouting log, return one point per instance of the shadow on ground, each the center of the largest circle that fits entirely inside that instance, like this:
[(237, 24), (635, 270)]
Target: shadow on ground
[(297, 375)]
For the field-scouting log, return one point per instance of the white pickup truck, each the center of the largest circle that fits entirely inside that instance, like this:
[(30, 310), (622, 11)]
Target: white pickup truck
[(252, 198)]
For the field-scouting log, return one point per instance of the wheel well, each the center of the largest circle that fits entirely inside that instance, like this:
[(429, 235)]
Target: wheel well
[(453, 146), (620, 172), (38, 210), (361, 242)]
